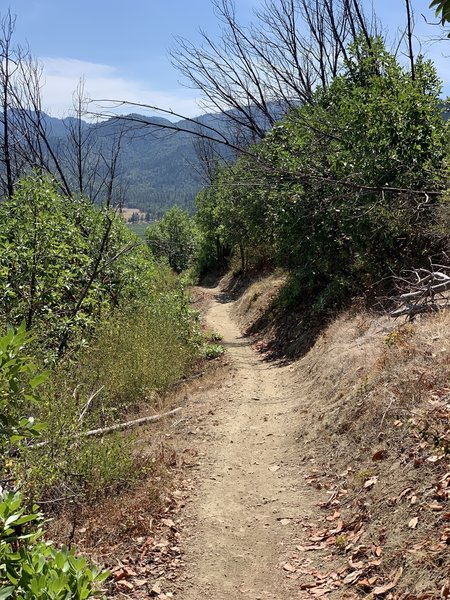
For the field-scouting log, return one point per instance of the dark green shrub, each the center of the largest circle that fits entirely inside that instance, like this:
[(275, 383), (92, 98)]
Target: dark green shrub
[(345, 190), (32, 569), (175, 238)]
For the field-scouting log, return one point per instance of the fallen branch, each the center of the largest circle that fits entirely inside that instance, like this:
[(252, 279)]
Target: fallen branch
[(411, 310), (128, 424), (426, 291), (430, 290), (117, 427)]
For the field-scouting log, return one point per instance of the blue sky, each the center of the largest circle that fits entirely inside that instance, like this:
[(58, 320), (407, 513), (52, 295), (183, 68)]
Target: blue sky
[(121, 47)]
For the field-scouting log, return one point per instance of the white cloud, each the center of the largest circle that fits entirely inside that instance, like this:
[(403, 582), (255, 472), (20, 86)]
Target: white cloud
[(61, 77)]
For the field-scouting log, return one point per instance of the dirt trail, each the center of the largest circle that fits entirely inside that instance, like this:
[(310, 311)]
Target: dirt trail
[(248, 504)]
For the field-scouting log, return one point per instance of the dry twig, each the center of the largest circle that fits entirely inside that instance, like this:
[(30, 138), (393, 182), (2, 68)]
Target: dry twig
[(426, 291)]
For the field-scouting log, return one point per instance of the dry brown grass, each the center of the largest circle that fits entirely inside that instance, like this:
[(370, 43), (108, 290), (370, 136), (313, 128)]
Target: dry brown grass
[(257, 299), (128, 212), (371, 387)]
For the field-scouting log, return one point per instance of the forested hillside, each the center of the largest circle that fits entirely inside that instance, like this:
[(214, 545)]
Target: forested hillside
[(155, 167), (158, 164)]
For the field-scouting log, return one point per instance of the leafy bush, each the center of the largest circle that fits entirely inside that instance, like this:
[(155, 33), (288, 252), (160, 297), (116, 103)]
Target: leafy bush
[(175, 238), (30, 568), (345, 190), (64, 264), (381, 131), (213, 350), (135, 355), (215, 336), (142, 350), (84, 469), (18, 382), (103, 316)]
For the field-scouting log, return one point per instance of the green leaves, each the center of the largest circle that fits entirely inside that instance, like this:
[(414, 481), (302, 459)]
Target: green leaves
[(175, 238), (320, 196), (18, 389), (63, 262), (6, 592), (31, 569), (442, 8), (39, 379)]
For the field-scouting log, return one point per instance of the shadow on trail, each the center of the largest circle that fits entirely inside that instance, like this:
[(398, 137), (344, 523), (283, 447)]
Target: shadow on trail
[(243, 342), (280, 334), (286, 336), (224, 298), (211, 280), (234, 289), (233, 286)]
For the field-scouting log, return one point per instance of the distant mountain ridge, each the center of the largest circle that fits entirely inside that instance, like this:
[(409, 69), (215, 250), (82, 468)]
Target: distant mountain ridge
[(158, 164), (158, 167)]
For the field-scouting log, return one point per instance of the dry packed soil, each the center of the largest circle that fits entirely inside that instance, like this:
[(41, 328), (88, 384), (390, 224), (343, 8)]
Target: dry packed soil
[(289, 482), (246, 510)]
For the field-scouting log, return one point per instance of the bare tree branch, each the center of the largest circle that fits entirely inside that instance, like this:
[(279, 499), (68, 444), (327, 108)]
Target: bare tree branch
[(426, 291)]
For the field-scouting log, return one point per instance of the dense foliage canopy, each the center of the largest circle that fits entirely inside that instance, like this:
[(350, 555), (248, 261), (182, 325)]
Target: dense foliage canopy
[(344, 190)]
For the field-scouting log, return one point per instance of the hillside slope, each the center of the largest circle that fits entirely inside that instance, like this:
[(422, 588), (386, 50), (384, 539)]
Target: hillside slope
[(158, 165), (373, 434)]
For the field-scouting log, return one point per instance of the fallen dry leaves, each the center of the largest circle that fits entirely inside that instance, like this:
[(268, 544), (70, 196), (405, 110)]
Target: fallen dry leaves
[(339, 539), (154, 561)]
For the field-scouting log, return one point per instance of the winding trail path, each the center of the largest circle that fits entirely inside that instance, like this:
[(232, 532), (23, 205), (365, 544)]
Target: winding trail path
[(251, 496)]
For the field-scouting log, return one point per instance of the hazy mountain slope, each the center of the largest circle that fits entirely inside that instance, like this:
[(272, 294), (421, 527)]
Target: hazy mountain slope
[(158, 167)]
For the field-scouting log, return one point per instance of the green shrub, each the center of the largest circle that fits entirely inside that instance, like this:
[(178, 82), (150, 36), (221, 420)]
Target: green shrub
[(136, 354), (345, 190), (215, 336), (64, 264), (83, 469), (140, 351), (30, 568), (175, 238), (213, 350), (18, 382)]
